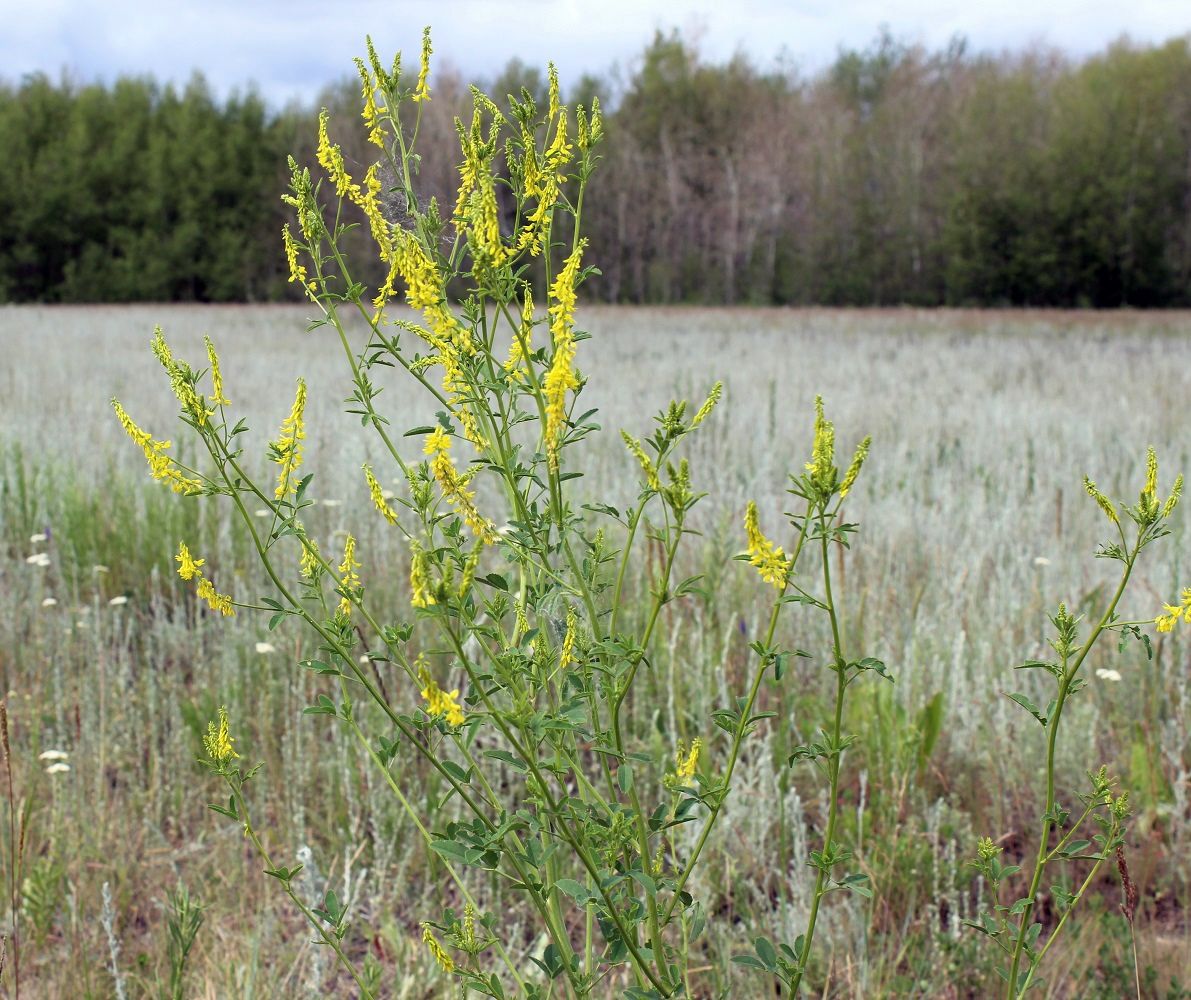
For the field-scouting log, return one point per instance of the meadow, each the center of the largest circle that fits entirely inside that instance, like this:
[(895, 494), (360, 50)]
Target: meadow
[(975, 525)]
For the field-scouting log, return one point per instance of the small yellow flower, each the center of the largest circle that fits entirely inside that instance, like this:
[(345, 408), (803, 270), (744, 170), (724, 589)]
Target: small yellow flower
[(218, 740), (189, 567), (713, 397), (771, 562), (296, 271), (822, 463), (1173, 500), (454, 486), (440, 956), (310, 563)]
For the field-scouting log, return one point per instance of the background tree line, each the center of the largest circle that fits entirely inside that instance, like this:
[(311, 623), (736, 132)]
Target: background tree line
[(898, 175)]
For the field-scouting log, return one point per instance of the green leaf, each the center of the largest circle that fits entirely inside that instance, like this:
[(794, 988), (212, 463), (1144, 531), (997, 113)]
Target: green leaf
[(1029, 706), (766, 953), (576, 890), (452, 850)]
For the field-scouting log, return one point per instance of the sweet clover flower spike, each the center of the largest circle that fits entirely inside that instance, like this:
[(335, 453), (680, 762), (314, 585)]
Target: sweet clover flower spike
[(822, 463), (422, 595), (349, 578), (181, 381), (296, 271), (1166, 622), (161, 466), (330, 157), (561, 377), (378, 496), (1105, 504), (216, 375), (770, 560), (422, 90), (310, 564), (218, 741), (371, 113), (651, 473), (854, 468), (440, 956), (454, 486), (1173, 500), (713, 397), (567, 655), (215, 600), (287, 449)]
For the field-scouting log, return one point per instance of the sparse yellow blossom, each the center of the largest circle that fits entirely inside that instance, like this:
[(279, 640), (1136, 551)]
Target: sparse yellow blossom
[(822, 463), (287, 449), (1172, 501), (310, 563), (331, 158), (770, 560), (218, 740), (371, 113), (296, 271)]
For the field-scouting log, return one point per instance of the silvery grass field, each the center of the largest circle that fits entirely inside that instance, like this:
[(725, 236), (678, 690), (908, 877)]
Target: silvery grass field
[(974, 525)]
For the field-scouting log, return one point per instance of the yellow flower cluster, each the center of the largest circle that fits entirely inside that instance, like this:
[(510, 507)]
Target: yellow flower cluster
[(287, 449), (161, 466), (439, 703), (522, 344), (309, 563), (454, 486), (349, 578), (770, 560), (188, 569), (561, 377), (709, 404), (371, 113), (378, 496), (218, 740), (1166, 622)]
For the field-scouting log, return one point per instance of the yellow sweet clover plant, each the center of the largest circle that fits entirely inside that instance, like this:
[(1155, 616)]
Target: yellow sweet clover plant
[(520, 639)]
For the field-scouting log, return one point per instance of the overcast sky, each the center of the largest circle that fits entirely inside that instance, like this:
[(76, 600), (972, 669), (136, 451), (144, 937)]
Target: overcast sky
[(291, 49)]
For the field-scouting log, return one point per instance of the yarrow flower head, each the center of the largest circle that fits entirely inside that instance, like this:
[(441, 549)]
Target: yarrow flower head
[(771, 562)]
